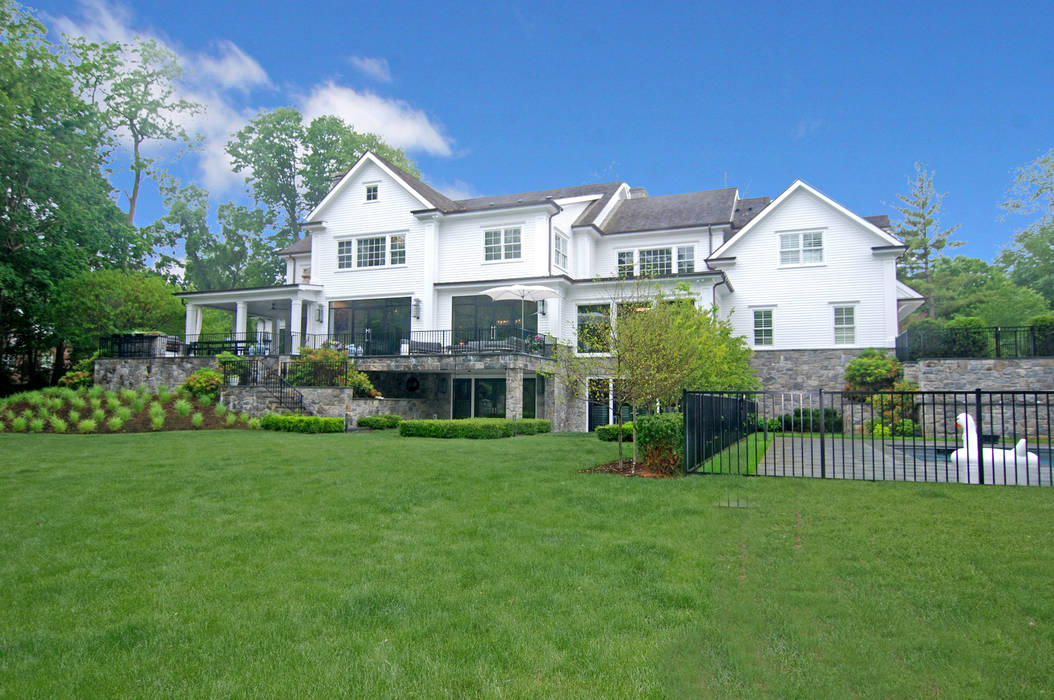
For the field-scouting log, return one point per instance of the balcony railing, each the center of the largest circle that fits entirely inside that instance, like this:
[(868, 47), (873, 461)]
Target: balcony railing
[(475, 341), (988, 342)]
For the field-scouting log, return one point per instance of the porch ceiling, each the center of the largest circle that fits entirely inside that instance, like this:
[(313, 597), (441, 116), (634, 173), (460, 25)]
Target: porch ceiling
[(260, 301)]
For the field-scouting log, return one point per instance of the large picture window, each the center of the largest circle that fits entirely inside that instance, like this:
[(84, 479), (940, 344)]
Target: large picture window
[(594, 327), (656, 262), (371, 251)]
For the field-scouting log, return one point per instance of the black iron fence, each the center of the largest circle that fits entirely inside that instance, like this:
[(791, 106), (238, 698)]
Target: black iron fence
[(966, 437), (362, 344), (988, 342)]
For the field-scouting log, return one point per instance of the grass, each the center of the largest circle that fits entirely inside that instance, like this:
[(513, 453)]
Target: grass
[(278, 564), (741, 457)]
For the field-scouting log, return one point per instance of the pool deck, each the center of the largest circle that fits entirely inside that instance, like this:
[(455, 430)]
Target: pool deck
[(879, 461)]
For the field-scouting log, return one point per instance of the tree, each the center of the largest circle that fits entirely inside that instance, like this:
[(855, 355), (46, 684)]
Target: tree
[(1030, 258), (56, 215), (921, 231), (659, 344), (290, 168), (965, 286), (134, 87), (97, 303)]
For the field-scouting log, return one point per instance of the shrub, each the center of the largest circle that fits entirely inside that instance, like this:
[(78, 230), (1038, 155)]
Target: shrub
[(128, 395), (473, 428), (244, 417), (3, 426), (1043, 332), (58, 425), (231, 366), (806, 420), (183, 408), (75, 416), (384, 421), (302, 424), (81, 374), (156, 409), (328, 366), (124, 413), (36, 425), (197, 419), (18, 424), (231, 419), (139, 404), (113, 403), (255, 424), (660, 440), (206, 399), (95, 402), (115, 424), (78, 402), (967, 336), (86, 426), (164, 394), (609, 433), (204, 382), (872, 370), (219, 410), (157, 421), (95, 391), (98, 415)]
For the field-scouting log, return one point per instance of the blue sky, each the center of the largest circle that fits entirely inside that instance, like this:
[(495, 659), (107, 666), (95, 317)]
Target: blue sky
[(499, 97)]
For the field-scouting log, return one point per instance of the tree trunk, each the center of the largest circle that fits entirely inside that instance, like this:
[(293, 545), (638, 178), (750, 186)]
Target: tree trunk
[(58, 367)]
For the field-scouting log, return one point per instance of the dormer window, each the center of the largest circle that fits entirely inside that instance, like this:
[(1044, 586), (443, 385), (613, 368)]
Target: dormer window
[(371, 193)]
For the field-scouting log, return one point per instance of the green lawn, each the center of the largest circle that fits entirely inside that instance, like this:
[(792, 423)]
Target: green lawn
[(234, 563)]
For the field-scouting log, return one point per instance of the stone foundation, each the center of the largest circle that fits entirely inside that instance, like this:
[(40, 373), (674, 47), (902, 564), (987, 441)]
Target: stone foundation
[(802, 370), (152, 372)]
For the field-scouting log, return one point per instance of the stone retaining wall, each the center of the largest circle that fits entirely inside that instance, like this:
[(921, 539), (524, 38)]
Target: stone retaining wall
[(802, 370), (326, 401), (152, 372), (1015, 374)]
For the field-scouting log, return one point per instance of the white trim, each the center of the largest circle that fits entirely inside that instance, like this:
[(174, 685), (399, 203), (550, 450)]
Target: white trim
[(775, 204), (367, 156), (502, 229)]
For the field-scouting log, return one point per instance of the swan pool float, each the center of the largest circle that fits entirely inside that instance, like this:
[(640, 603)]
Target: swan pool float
[(1000, 466)]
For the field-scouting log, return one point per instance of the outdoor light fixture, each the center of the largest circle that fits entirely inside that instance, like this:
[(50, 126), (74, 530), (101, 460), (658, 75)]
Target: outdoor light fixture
[(320, 315), (541, 307), (417, 308), (274, 306)]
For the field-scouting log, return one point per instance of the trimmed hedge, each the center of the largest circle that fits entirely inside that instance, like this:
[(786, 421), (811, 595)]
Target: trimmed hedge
[(383, 421), (609, 433), (302, 424), (660, 439), (473, 428)]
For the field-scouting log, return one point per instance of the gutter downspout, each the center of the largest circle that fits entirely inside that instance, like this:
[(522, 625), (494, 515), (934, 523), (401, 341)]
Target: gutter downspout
[(559, 210)]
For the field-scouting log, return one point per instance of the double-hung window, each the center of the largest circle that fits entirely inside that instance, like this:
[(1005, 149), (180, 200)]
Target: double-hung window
[(371, 251), (372, 192), (685, 259), (560, 251), (502, 244), (594, 327), (625, 263), (763, 327), (801, 248), (844, 325)]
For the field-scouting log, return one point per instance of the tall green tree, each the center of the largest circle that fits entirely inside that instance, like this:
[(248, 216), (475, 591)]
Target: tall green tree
[(290, 167), (921, 230), (135, 88), (965, 286), (57, 218), (1030, 257)]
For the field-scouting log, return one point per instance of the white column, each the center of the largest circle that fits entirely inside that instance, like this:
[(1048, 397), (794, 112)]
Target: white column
[(296, 336), (192, 321), (241, 316)]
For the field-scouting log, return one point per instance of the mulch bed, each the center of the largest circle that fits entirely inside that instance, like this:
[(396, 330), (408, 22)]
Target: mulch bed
[(139, 422), (627, 469)]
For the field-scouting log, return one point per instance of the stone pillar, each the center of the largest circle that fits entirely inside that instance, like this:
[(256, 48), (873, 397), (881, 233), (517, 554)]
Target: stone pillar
[(296, 336), (513, 392)]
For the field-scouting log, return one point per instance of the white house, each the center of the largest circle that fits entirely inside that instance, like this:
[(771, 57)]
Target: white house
[(395, 270)]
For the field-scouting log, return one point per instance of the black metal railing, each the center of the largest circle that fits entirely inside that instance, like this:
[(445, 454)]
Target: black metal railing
[(287, 397), (987, 342), (492, 340), (240, 371), (976, 436), (303, 372)]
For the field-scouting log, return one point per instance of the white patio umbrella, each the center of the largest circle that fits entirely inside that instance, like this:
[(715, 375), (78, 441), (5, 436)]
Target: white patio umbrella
[(523, 292)]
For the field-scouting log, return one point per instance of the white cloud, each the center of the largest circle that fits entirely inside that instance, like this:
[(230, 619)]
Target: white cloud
[(398, 123), (375, 68), (232, 68)]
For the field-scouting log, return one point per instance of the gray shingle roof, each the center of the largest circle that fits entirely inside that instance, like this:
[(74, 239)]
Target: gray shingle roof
[(880, 220), (301, 246), (747, 209), (438, 200), (672, 211), (605, 189)]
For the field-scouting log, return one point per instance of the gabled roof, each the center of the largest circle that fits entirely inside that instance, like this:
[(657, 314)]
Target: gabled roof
[(797, 186), (299, 248), (747, 209)]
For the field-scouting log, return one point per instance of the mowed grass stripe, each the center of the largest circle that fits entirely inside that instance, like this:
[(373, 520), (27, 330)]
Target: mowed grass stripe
[(247, 563)]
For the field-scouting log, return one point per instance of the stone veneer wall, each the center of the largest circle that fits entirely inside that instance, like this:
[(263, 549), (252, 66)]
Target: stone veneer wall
[(327, 401), (801, 370), (1015, 374), (152, 372)]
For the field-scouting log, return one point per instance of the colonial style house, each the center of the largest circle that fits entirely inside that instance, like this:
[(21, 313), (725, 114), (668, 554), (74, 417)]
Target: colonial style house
[(396, 271)]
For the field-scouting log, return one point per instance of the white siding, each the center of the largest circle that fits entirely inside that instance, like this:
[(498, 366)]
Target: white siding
[(803, 298)]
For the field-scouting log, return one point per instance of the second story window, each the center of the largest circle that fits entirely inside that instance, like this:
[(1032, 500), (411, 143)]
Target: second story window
[(685, 259), (371, 251), (656, 262), (625, 263), (371, 192), (560, 251), (501, 244), (804, 248)]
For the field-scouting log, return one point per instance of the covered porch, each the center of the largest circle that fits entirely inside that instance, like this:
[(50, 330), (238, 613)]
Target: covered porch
[(282, 318)]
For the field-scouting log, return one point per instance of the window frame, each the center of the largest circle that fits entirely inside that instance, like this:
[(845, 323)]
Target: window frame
[(561, 251), (373, 188), (800, 248), (578, 327), (674, 250), (762, 328), (843, 327), (503, 245), (351, 245)]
